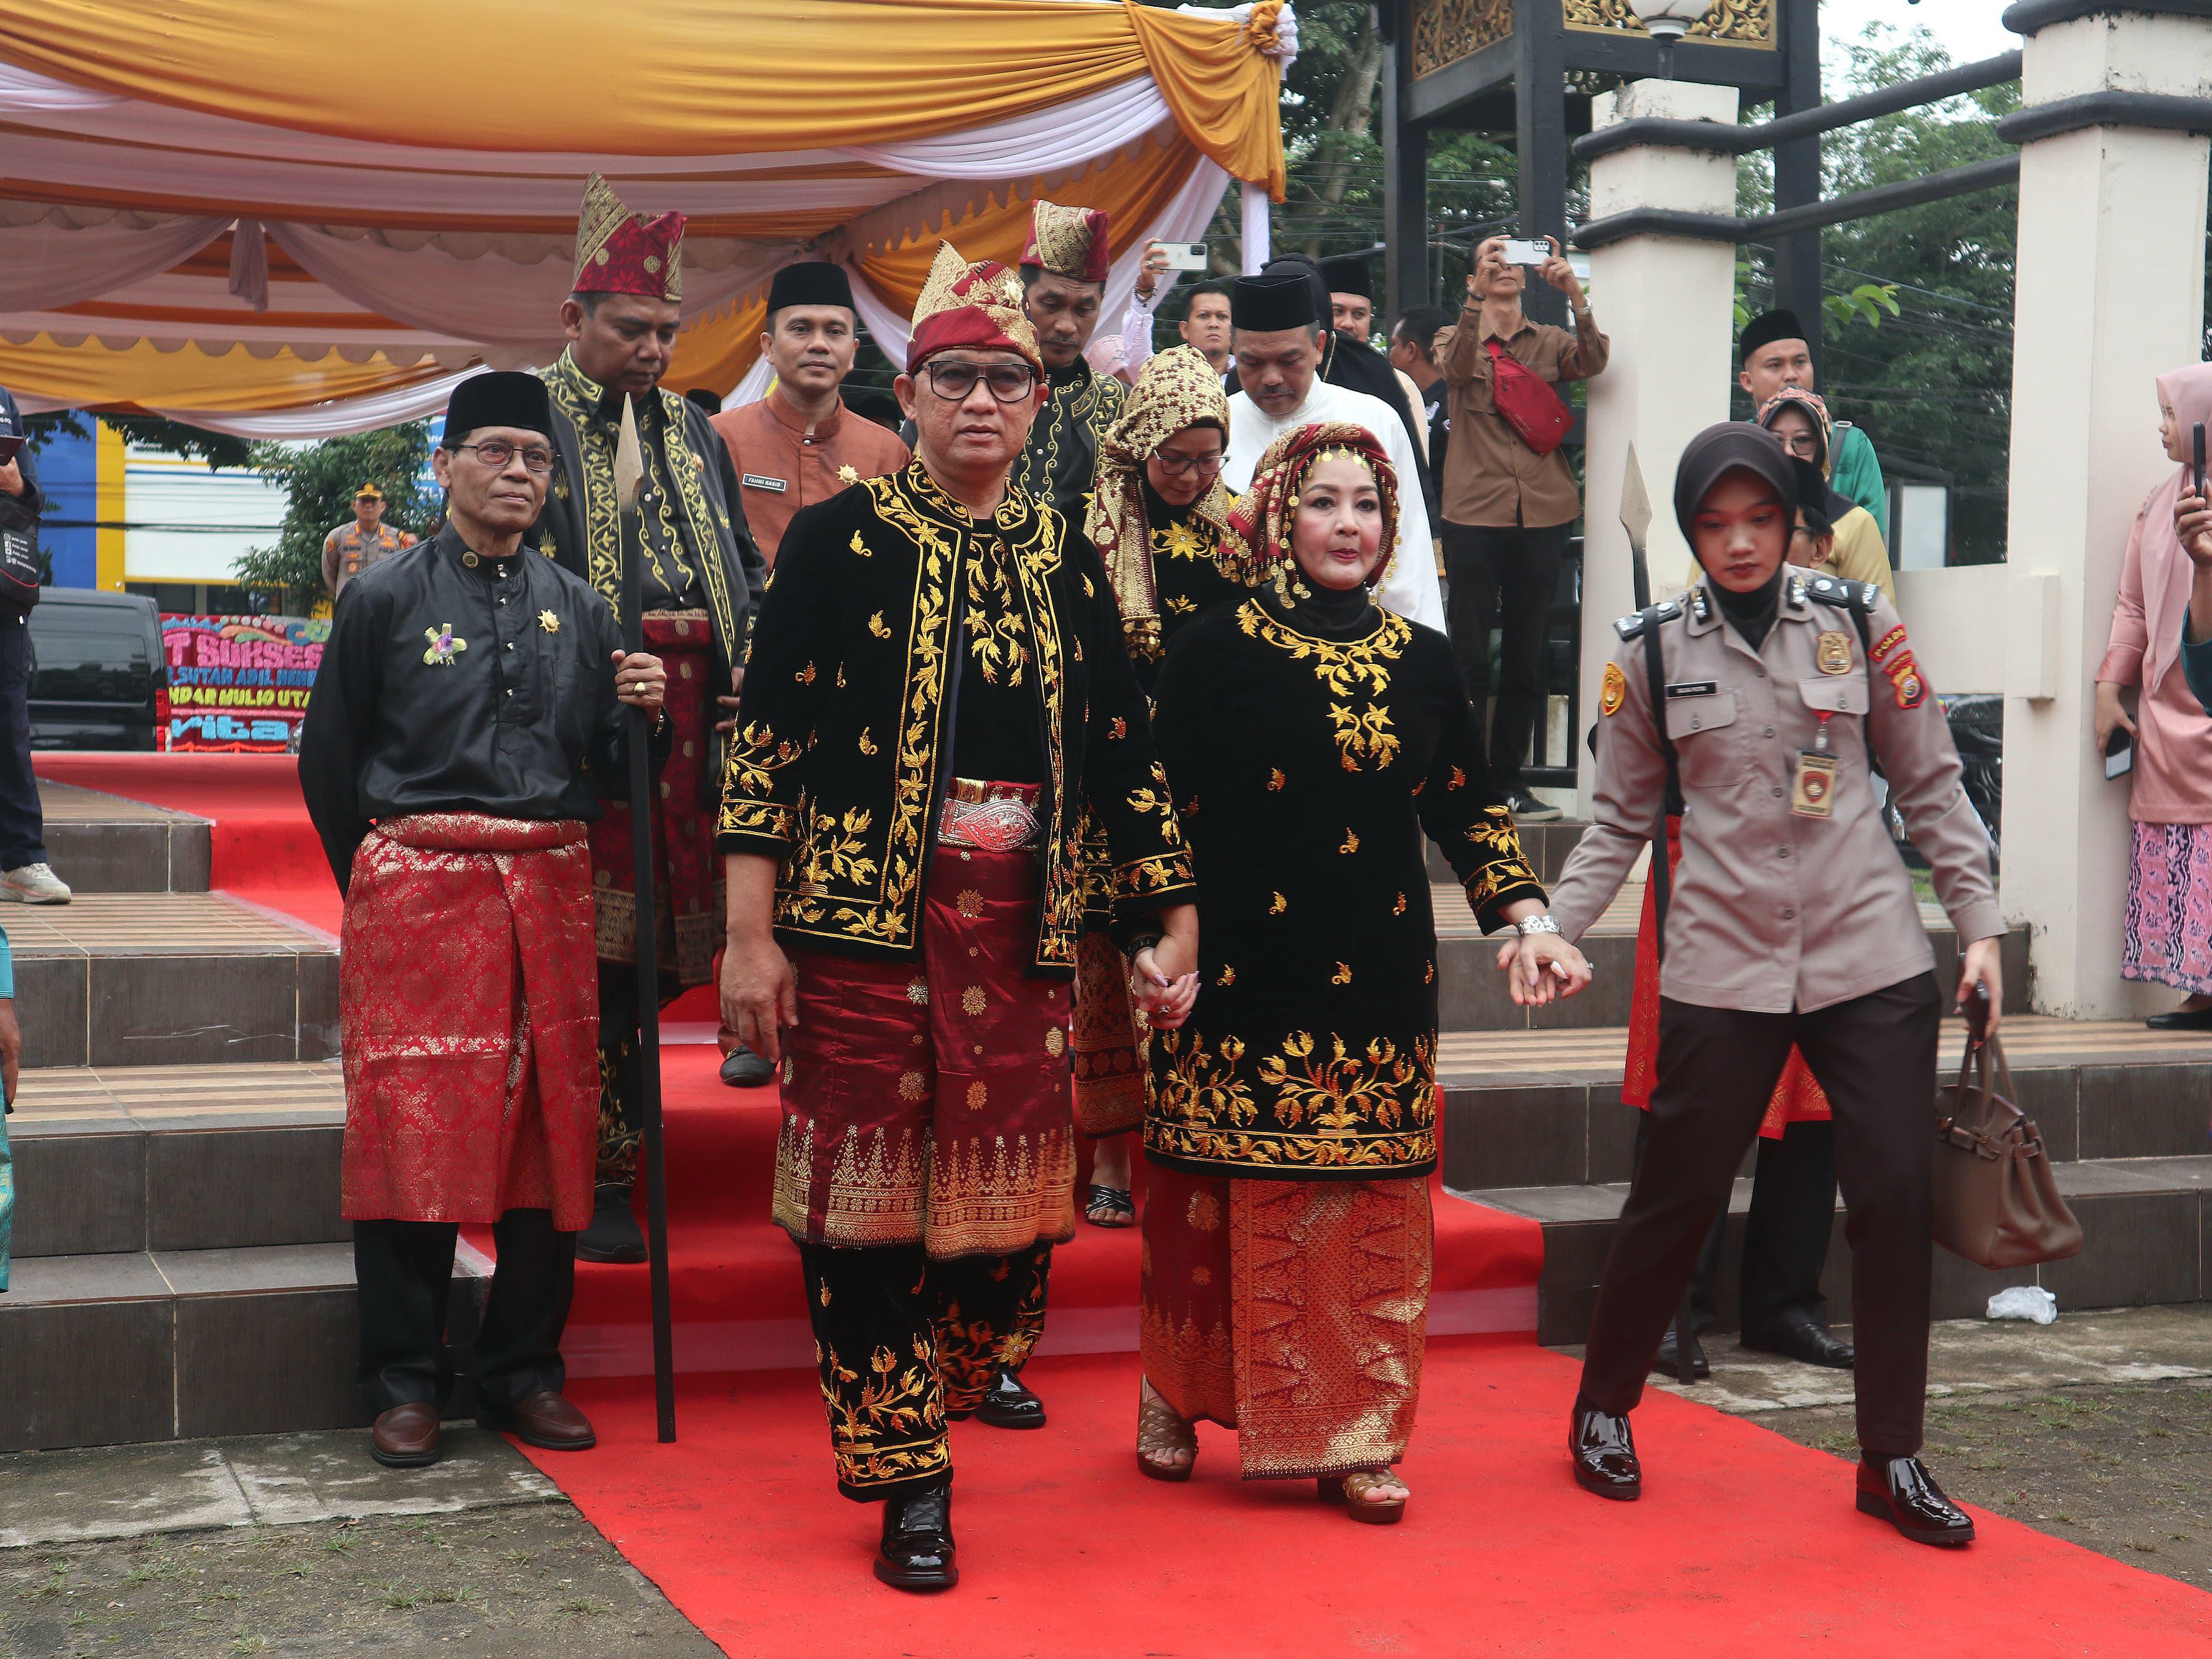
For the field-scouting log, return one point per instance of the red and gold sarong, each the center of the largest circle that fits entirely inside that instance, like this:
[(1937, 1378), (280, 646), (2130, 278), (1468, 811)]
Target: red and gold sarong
[(1294, 1312), (927, 1103), (1797, 1096), (469, 1021), (1112, 1071), (690, 919)]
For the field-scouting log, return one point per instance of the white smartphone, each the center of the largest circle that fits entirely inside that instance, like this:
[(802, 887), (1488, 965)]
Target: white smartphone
[(1518, 252), (1185, 256)]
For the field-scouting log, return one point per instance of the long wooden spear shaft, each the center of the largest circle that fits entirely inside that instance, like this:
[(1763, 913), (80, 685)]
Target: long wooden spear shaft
[(1636, 520), (630, 476)]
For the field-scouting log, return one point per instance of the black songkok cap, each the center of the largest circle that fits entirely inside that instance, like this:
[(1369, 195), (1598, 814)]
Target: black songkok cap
[(1765, 329), (1731, 447), (810, 283), (500, 397), (1266, 305), (1348, 274)]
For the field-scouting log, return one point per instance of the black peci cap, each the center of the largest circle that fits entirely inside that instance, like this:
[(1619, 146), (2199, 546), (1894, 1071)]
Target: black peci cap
[(1765, 329), (498, 397), (1267, 305), (810, 283), (1348, 274)]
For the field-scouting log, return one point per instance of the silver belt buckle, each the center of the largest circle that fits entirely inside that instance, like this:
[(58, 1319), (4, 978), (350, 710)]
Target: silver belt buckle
[(991, 826)]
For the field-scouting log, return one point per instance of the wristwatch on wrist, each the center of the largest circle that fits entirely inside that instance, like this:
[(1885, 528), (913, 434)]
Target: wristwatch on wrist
[(1538, 924)]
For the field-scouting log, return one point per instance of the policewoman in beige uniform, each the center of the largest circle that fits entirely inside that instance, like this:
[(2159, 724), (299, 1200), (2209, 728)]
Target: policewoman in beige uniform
[(1792, 921)]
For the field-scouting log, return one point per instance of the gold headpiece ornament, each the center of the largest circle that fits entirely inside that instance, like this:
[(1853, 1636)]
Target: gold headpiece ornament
[(618, 251), (974, 305)]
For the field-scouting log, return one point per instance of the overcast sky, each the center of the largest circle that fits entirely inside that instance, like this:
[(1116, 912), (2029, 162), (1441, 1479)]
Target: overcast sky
[(1968, 29)]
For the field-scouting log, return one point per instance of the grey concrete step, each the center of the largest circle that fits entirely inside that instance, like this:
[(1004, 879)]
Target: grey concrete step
[(2143, 1219), (103, 843), (178, 1157), (170, 979), (1533, 1108), (101, 1350)]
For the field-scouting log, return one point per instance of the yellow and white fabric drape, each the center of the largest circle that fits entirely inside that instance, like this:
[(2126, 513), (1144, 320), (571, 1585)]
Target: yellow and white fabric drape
[(417, 223)]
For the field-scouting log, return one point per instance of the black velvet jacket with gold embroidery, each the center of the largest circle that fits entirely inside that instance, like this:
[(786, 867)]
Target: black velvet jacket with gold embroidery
[(1308, 761), (694, 524), (1059, 464), (885, 597)]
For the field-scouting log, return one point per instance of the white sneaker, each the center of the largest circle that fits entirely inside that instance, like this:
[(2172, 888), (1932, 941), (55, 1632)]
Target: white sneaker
[(34, 884)]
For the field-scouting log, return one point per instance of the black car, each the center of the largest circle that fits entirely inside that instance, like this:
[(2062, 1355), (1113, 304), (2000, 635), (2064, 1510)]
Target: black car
[(96, 669)]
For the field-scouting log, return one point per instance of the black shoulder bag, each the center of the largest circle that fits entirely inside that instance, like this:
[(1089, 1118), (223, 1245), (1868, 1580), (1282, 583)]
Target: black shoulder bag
[(18, 556)]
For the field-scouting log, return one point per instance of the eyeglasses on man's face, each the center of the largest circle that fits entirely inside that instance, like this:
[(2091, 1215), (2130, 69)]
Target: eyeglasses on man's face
[(952, 380), (1182, 466), (496, 454)]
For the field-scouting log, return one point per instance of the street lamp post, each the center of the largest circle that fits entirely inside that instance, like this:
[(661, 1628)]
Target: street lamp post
[(1668, 21)]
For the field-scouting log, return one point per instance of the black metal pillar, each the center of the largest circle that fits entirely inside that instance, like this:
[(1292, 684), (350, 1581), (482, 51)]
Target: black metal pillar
[(1797, 170), (1540, 131), (1405, 187)]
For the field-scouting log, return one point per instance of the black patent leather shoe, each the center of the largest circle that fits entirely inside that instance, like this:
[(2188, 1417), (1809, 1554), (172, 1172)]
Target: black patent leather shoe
[(1605, 1454), (1008, 1405), (613, 1234), (1900, 1491), (743, 1069), (1804, 1339), (1669, 1363), (917, 1554), (2182, 1019)]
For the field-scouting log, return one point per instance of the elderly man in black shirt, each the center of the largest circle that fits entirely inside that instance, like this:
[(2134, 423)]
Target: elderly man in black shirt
[(466, 720)]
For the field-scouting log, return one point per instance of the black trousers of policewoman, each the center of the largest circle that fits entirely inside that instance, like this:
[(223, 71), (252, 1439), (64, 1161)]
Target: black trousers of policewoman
[(1876, 1057)]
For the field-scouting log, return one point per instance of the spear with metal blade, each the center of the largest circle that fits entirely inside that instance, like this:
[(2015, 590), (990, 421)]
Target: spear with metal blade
[(1636, 520), (629, 476)]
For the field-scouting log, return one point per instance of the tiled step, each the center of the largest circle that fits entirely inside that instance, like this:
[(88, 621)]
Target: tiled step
[(1539, 1108), (176, 1158), (170, 979), (1472, 994), (102, 843), (99, 1350), (2143, 1219)]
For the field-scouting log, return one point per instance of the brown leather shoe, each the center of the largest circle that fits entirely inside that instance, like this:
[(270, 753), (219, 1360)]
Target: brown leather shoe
[(406, 1436), (545, 1421)]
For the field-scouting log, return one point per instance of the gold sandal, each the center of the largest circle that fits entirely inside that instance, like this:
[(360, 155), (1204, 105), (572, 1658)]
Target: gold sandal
[(1356, 1492), (1160, 1430)]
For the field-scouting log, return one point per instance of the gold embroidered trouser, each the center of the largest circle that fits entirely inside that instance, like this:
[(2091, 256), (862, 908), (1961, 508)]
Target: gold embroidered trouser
[(902, 1342), (1292, 1311)]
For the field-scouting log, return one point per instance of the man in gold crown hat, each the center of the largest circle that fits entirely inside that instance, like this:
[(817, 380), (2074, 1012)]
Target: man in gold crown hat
[(1063, 284), (702, 572), (939, 685)]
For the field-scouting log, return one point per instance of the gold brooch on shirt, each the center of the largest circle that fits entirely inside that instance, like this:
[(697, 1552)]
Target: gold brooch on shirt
[(444, 642), (1833, 652), (848, 474), (549, 622)]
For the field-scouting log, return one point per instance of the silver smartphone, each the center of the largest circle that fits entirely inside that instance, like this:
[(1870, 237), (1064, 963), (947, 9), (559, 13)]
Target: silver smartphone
[(1185, 256), (1518, 252)]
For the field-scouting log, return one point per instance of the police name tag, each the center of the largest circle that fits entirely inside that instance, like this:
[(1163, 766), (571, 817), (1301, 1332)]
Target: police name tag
[(1814, 795), (754, 480)]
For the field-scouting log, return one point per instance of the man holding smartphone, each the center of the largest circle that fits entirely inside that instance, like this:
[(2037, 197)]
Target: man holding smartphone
[(25, 875), (1506, 507)]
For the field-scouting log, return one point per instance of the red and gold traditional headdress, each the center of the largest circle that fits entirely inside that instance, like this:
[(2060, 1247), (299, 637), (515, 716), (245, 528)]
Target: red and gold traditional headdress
[(618, 251), (1068, 241), (1263, 515), (978, 305)]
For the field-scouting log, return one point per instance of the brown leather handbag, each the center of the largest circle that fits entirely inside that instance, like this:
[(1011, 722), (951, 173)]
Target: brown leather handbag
[(1996, 1202)]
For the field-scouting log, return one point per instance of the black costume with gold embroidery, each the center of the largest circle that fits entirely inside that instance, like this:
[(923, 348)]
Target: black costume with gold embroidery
[(1061, 462), (841, 757), (1309, 744)]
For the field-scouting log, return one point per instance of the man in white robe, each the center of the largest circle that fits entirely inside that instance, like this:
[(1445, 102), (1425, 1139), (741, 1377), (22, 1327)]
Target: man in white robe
[(1277, 338)]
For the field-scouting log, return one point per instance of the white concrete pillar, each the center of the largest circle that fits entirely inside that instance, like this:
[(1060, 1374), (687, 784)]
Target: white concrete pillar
[(1667, 305), (2110, 293)]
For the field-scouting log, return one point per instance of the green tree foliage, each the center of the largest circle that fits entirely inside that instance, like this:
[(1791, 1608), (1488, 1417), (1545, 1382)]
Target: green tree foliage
[(217, 449), (319, 480)]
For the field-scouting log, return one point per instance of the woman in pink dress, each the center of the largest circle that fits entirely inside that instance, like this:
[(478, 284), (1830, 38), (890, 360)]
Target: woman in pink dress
[(2169, 917)]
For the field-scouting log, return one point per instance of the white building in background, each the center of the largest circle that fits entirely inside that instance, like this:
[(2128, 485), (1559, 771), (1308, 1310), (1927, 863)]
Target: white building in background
[(185, 526)]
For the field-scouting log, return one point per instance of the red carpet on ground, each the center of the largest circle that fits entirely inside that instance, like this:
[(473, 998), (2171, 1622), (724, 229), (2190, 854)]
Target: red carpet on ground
[(264, 849), (1746, 1545)]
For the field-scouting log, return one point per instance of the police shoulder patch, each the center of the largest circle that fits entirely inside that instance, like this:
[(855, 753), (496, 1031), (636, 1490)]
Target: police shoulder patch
[(1613, 690)]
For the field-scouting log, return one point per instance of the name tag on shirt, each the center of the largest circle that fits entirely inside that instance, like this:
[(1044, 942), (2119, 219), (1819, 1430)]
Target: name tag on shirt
[(754, 480), (1693, 689)]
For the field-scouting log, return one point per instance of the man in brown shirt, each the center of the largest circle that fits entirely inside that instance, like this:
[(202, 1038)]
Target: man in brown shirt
[(799, 444), (1506, 509), (352, 548)]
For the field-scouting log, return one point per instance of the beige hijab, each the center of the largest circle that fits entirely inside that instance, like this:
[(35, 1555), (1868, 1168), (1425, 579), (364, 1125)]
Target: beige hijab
[(1177, 388)]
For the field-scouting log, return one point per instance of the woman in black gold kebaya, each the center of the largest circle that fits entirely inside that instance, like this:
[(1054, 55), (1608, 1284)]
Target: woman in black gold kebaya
[(1309, 739)]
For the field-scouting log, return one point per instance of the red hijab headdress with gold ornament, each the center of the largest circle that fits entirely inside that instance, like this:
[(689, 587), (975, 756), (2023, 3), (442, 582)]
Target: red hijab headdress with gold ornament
[(618, 251), (1263, 515)]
